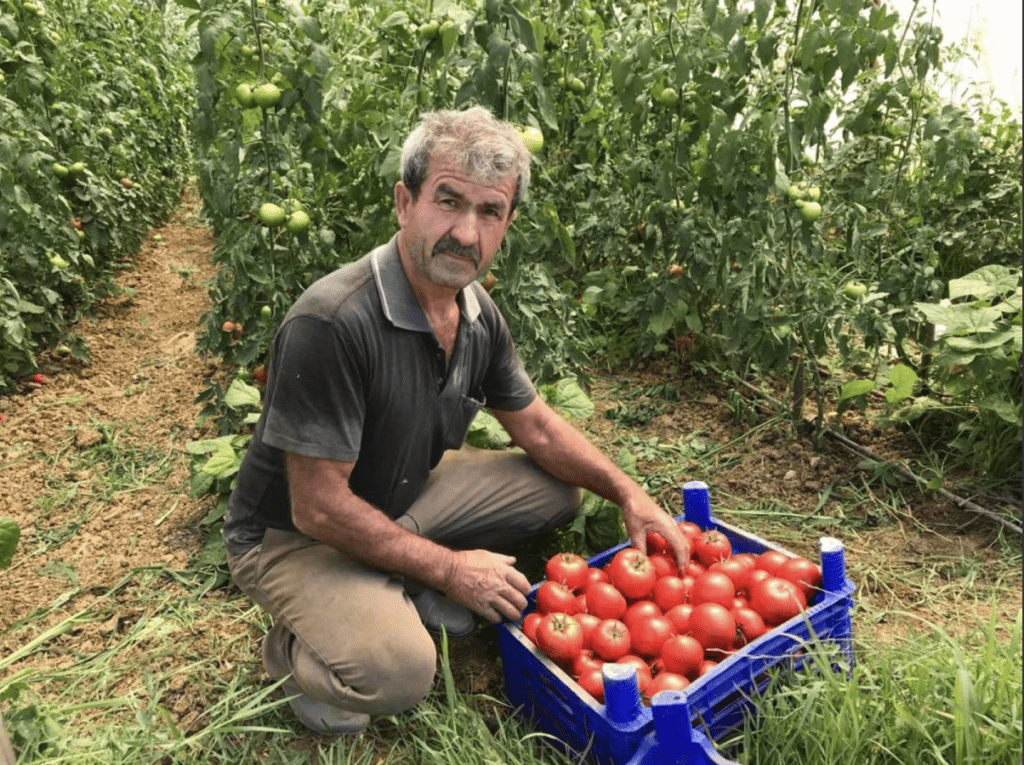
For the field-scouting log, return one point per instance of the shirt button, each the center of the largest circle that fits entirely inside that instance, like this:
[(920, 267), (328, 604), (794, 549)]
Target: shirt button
[(440, 381)]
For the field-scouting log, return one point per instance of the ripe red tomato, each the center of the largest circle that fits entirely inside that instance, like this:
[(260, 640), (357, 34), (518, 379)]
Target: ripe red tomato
[(530, 622), (666, 681), (588, 623), (770, 560), (693, 568), (670, 591), (749, 626), (632, 573), (803, 573), (682, 654), (569, 569), (680, 617), (643, 671), (690, 530), (713, 587), (757, 575), (585, 662), (611, 640), (555, 597), (711, 547), (592, 681), (713, 626), (656, 543), (747, 559), (642, 609), (664, 564), (596, 575), (735, 570), (649, 635), (777, 600), (604, 601), (706, 666), (560, 637)]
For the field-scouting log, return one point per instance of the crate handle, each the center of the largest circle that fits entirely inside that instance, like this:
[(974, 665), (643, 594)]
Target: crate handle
[(621, 692)]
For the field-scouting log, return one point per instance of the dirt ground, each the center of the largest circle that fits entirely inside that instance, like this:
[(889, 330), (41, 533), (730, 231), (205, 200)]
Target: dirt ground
[(73, 439)]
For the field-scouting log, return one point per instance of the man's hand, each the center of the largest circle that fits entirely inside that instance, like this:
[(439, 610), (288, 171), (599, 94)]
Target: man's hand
[(486, 583), (642, 516)]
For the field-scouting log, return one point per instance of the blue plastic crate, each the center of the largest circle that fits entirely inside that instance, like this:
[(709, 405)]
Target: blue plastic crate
[(680, 726)]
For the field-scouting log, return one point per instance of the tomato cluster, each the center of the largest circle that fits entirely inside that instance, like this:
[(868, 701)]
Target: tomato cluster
[(673, 625)]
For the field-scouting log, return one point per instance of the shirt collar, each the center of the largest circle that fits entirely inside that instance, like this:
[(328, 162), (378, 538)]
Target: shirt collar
[(399, 302)]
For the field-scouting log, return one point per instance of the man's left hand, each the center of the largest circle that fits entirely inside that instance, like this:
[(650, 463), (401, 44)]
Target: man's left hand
[(642, 516)]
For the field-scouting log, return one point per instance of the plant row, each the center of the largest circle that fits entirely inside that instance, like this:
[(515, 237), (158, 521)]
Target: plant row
[(94, 150), (753, 185)]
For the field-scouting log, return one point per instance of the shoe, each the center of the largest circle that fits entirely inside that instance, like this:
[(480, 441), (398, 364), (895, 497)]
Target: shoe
[(323, 718), (319, 717), (437, 611)]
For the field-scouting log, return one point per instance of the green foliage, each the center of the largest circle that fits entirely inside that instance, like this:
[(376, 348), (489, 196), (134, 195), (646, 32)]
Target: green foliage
[(978, 365), (92, 92), (10, 533), (654, 224), (932, 699)]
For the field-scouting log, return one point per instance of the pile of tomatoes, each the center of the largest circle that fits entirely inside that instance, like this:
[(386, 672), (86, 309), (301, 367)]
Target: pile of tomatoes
[(673, 625)]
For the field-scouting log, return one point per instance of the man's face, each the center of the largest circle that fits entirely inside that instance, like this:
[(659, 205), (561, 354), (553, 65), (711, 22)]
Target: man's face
[(451, 233)]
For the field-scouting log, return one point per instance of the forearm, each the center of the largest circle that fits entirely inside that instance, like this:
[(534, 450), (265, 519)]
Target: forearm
[(564, 452), (325, 508)]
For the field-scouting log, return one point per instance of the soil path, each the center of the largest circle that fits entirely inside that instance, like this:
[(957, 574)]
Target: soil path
[(70, 450)]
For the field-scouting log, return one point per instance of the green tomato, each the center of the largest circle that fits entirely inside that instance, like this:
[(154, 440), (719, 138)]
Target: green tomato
[(267, 95), (76, 169), (271, 215), (855, 290), (533, 139), (61, 171), (813, 193), (576, 85), (428, 31), (266, 313), (298, 222), (668, 97), (243, 95), (795, 192), (810, 211)]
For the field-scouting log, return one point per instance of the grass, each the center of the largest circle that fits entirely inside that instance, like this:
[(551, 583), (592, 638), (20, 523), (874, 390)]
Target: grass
[(932, 699)]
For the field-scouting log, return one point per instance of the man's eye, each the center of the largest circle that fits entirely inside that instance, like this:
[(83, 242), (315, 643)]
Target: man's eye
[(447, 204)]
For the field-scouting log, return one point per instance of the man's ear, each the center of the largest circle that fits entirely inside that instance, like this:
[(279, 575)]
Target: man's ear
[(403, 201)]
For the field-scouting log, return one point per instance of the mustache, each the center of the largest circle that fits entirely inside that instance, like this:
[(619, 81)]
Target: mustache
[(449, 245)]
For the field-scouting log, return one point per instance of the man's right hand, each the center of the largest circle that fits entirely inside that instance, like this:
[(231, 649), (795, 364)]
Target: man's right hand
[(486, 582)]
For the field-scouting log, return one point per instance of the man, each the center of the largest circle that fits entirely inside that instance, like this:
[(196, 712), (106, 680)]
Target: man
[(358, 521)]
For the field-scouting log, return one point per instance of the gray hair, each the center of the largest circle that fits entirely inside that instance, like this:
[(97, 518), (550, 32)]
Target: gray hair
[(474, 139)]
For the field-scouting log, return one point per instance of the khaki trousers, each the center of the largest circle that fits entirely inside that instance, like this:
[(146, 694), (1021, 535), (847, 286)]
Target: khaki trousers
[(349, 635)]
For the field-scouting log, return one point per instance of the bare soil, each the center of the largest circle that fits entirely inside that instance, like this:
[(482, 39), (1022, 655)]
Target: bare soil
[(67, 450)]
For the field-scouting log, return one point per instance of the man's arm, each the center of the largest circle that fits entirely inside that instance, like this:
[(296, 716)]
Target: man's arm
[(325, 508), (567, 454)]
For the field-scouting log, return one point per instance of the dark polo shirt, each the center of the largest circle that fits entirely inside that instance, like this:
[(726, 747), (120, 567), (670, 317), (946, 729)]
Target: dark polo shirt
[(357, 375)]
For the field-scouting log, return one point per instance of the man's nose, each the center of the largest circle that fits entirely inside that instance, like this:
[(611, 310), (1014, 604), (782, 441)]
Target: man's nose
[(465, 229)]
